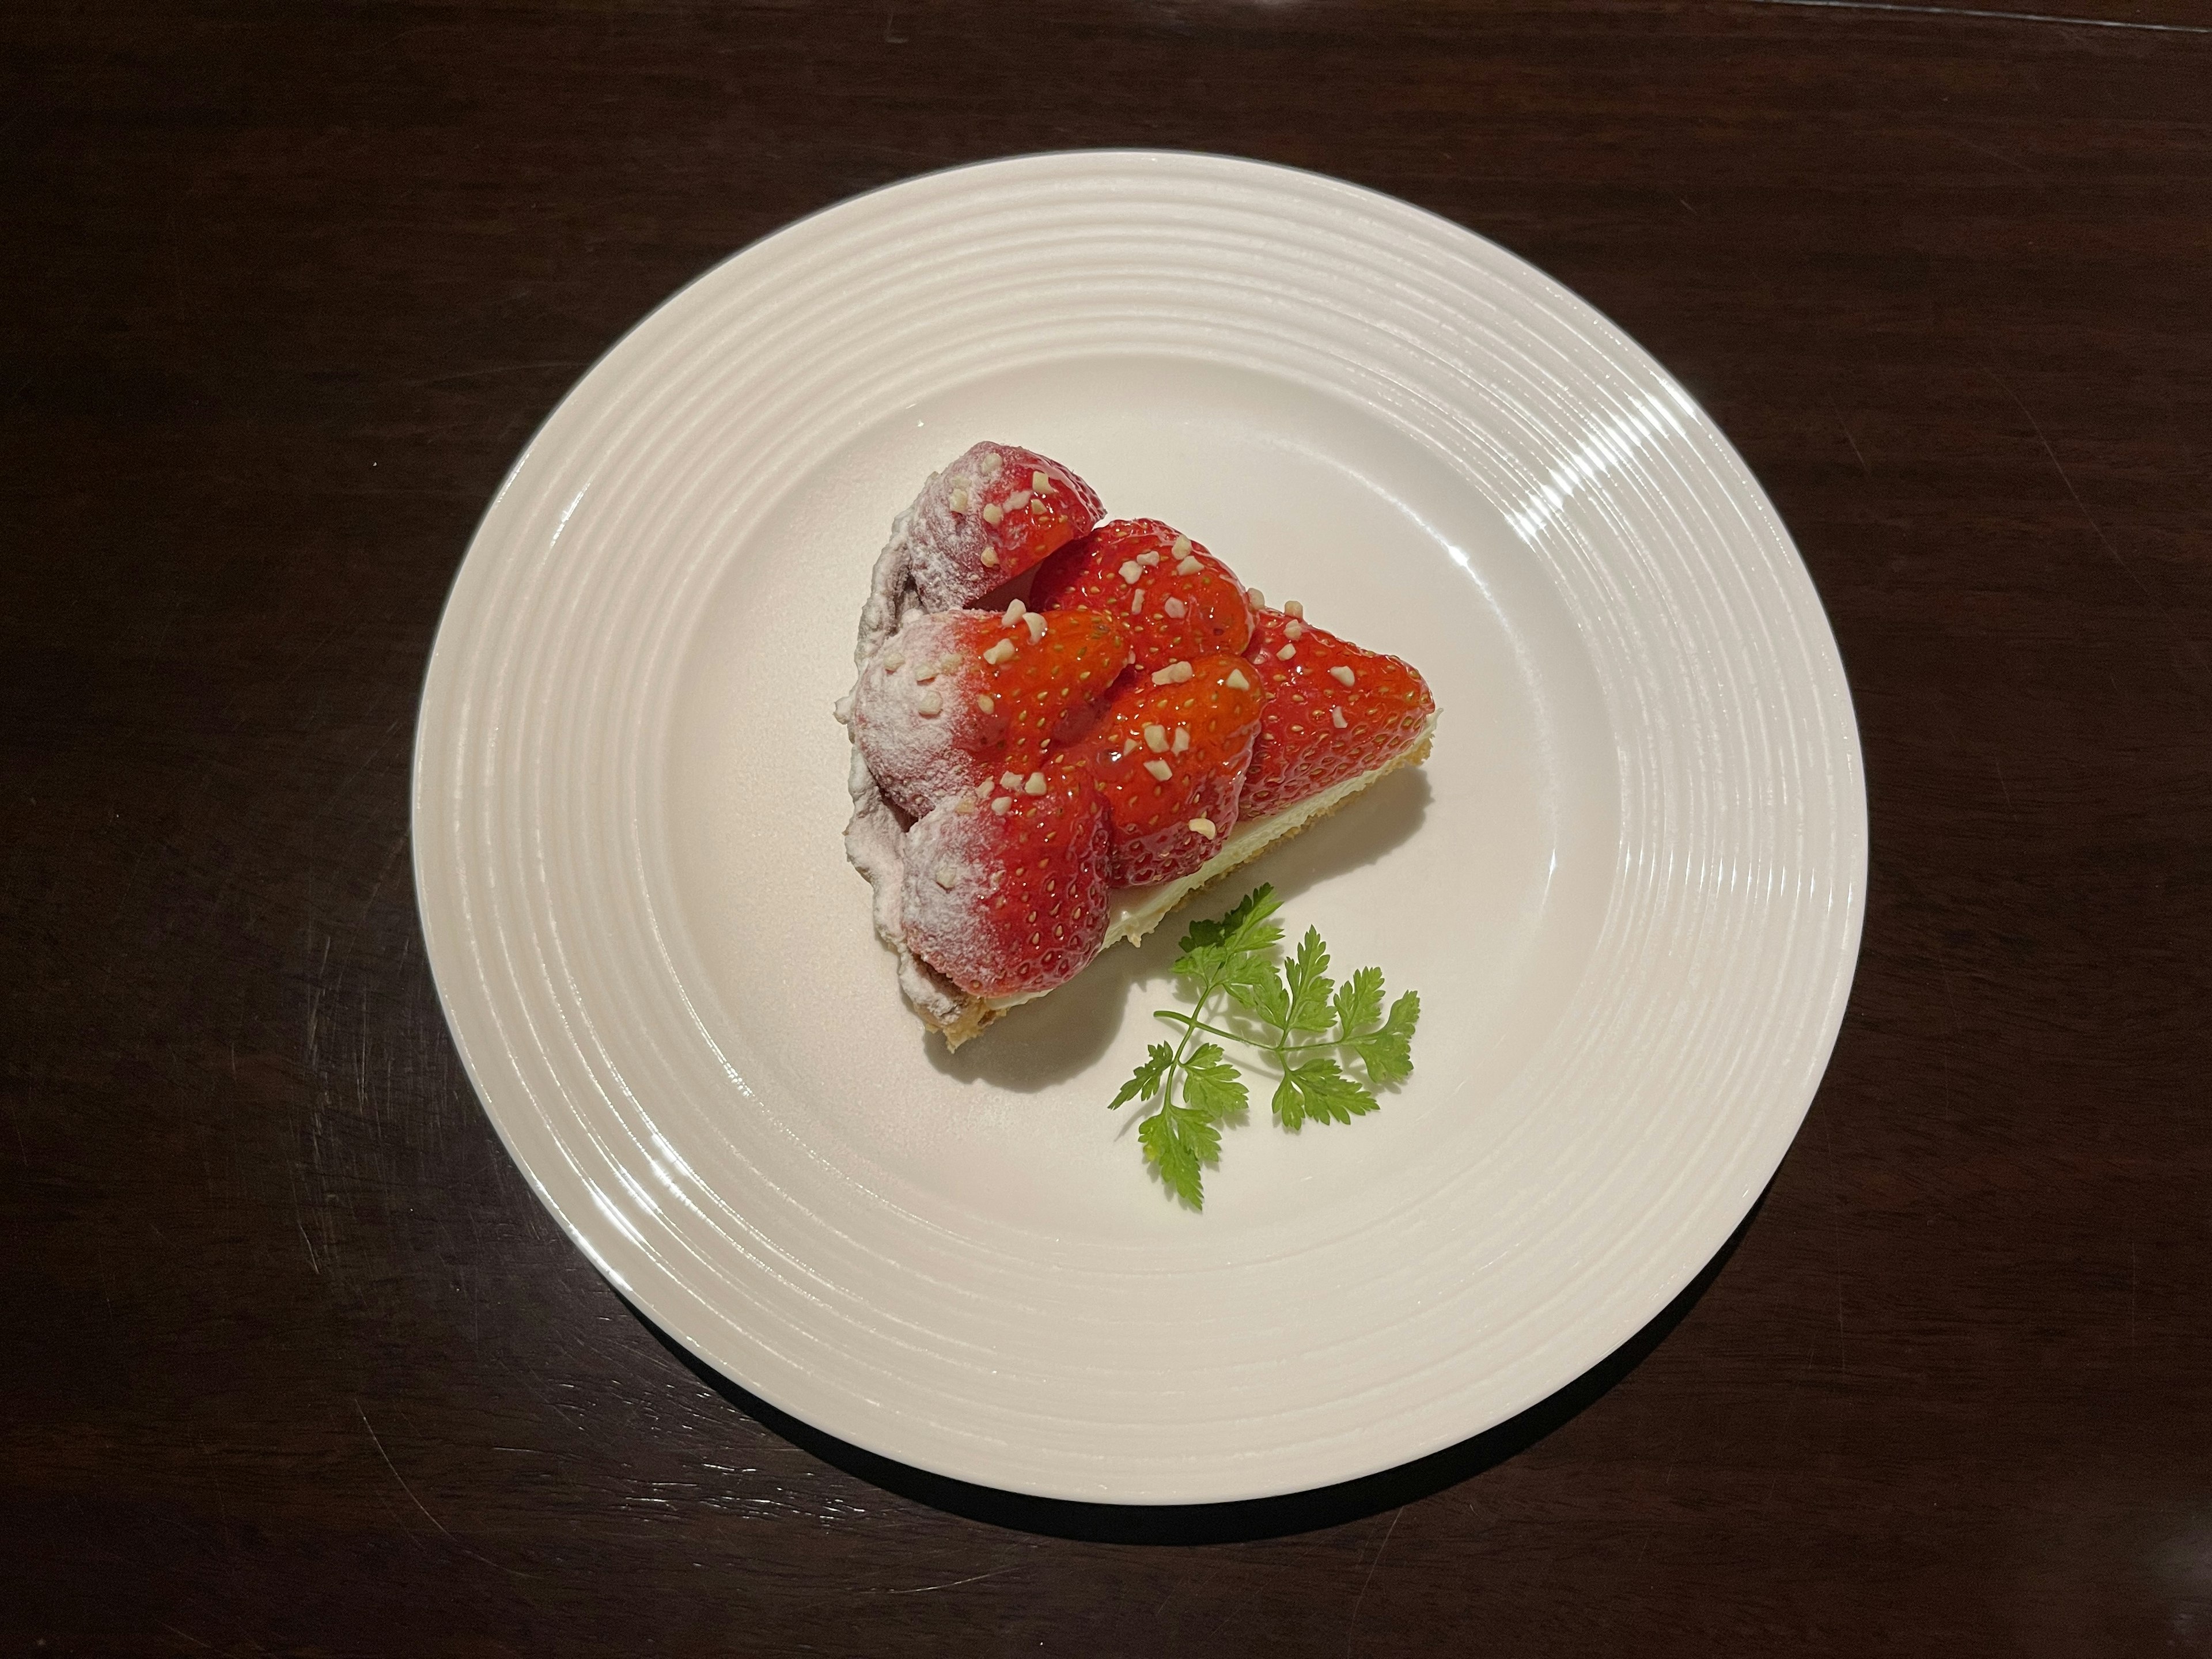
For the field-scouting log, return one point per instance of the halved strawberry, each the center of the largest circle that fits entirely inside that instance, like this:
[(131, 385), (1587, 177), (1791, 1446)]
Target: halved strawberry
[(1008, 896), (1169, 757), (957, 696), (1333, 712), (993, 514), (1181, 603)]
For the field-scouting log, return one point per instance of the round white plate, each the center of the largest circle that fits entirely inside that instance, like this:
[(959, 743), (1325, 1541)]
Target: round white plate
[(1628, 884)]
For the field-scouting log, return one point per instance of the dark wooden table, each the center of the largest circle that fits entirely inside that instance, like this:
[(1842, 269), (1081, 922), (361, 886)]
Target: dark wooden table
[(295, 1362)]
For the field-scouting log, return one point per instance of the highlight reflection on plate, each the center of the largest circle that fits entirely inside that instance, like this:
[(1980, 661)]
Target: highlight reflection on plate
[(1627, 885)]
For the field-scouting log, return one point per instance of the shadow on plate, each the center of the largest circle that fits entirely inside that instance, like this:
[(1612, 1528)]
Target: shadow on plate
[(1051, 1040), (1238, 1523)]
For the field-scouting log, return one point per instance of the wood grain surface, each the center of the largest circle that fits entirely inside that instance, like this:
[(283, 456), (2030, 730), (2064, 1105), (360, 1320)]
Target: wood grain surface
[(297, 1364)]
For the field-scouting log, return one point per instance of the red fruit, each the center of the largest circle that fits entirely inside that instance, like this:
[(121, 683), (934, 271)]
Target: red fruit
[(993, 514), (1333, 711), (934, 715), (1181, 603), (1009, 897), (1170, 760)]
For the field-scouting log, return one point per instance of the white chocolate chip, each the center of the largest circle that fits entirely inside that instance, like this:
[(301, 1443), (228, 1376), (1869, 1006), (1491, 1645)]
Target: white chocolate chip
[(1182, 740), (1137, 603), (1017, 501), (1237, 681), (1203, 827), (1010, 780), (1003, 805), (1341, 675), (1259, 601), (992, 462), (1034, 786), (1176, 609), (1336, 718), (1190, 566), (1035, 621), (924, 672), (959, 502), (1293, 608), (1156, 739), (983, 703), (1040, 484), (1160, 769), (983, 789), (990, 558), (1286, 654), (929, 703), (1131, 570), (1181, 546), (993, 513), (965, 806), (1150, 559), (1294, 630), (1014, 609), (1182, 670), (894, 662), (1002, 651), (947, 876)]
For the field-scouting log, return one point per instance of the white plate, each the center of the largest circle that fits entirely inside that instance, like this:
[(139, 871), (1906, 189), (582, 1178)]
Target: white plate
[(1628, 884)]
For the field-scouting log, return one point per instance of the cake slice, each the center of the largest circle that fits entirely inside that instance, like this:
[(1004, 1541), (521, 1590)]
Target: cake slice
[(1063, 728)]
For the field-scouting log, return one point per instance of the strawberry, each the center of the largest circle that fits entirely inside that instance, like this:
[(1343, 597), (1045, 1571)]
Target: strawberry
[(1007, 895), (1333, 711), (958, 696), (1169, 758), (1181, 603), (993, 514)]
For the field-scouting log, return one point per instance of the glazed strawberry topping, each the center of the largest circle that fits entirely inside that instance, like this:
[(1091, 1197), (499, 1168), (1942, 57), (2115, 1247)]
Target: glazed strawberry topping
[(995, 513), (1333, 712), (962, 695), (1007, 895), (1169, 758), (1180, 602)]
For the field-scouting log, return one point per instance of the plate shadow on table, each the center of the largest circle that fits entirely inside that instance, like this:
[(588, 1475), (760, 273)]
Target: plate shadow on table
[(1237, 1522), (1051, 1040)]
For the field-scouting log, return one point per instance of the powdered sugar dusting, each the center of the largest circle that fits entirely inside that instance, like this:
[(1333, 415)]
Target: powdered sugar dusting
[(921, 738), (986, 503)]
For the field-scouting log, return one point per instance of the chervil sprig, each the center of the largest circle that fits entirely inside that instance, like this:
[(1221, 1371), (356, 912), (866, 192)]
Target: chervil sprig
[(1294, 1013)]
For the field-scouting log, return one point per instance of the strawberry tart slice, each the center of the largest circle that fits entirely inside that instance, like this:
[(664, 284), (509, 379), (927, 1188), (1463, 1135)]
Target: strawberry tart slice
[(1063, 727)]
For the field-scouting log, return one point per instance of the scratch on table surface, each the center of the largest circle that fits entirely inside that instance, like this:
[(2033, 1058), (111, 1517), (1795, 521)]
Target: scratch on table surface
[(499, 369), (1352, 1626), (394, 1467), (1845, 428), (924, 1589), (1836, 1233), (1998, 16), (2104, 541)]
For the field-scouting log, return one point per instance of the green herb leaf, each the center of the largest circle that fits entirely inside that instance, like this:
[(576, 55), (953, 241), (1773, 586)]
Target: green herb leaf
[(1257, 987), (1145, 1082), (1389, 1054), (1307, 976), (1358, 1002), (1236, 956), (1179, 1143), (1319, 1091), (1246, 927), (1211, 1085)]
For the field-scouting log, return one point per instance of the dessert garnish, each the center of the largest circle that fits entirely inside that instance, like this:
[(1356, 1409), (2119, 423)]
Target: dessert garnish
[(1309, 1028)]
